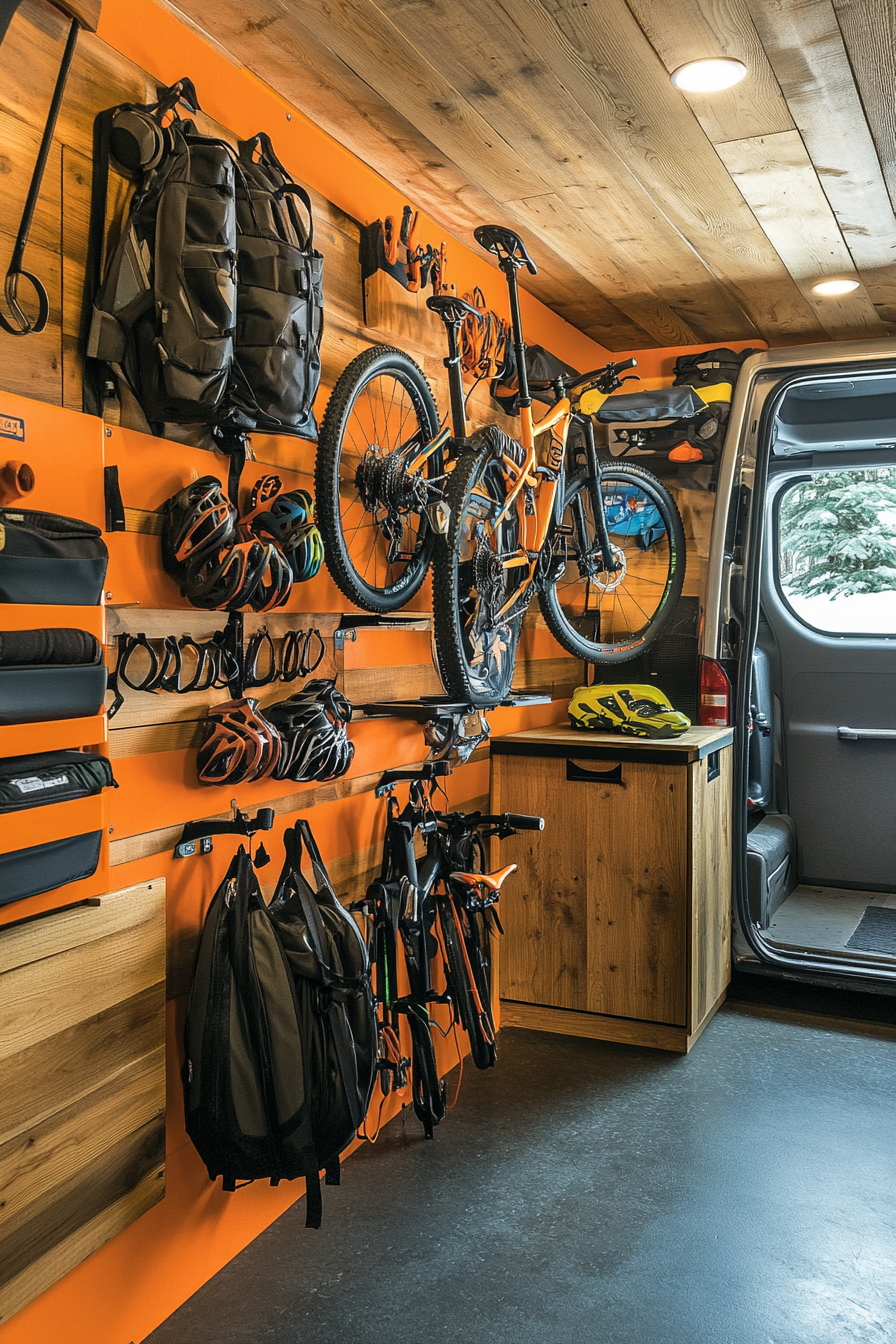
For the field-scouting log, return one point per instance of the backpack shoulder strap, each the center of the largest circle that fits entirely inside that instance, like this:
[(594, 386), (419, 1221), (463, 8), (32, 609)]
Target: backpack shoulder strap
[(96, 235), (262, 141), (295, 837)]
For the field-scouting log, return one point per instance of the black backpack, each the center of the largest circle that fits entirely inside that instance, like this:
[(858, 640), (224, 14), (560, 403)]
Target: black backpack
[(337, 1016), (709, 367), (209, 310), (279, 297), (246, 1090)]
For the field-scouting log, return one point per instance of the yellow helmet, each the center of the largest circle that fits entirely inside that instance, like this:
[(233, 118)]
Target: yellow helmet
[(636, 711)]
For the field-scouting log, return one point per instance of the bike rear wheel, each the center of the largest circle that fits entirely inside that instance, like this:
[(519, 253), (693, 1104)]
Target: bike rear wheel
[(371, 510), (467, 980), (475, 648), (606, 617)]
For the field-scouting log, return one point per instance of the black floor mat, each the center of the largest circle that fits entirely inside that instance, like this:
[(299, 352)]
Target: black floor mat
[(876, 931)]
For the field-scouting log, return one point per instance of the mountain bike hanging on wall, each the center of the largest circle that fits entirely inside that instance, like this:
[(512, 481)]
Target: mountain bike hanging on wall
[(501, 519)]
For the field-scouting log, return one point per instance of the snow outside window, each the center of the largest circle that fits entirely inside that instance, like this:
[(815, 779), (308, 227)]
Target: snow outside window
[(837, 551)]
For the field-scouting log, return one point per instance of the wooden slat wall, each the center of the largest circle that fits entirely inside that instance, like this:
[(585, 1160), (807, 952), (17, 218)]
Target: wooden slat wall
[(82, 1108)]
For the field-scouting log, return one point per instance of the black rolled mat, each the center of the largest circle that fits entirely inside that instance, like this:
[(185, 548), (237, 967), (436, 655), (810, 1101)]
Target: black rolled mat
[(875, 931)]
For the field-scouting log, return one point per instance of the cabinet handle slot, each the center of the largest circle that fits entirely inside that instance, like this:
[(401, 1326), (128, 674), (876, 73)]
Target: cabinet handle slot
[(577, 775), (713, 768)]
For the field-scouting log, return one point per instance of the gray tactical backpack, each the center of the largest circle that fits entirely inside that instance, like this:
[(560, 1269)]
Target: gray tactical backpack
[(209, 309)]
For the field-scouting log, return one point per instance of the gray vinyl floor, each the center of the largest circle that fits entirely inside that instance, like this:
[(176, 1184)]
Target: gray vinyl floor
[(584, 1191), (823, 917)]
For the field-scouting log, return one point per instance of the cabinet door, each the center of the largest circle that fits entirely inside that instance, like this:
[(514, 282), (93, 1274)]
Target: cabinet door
[(637, 845), (596, 917), (544, 906)]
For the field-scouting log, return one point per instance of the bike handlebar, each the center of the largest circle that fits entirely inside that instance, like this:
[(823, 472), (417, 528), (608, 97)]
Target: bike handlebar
[(608, 373), (521, 822), (428, 771), (510, 821)]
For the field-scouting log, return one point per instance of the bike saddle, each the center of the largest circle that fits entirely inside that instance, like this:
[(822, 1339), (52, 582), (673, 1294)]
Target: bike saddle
[(452, 309), (505, 244), (494, 881)]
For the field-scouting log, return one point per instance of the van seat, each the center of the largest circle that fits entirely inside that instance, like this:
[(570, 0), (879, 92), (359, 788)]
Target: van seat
[(771, 866)]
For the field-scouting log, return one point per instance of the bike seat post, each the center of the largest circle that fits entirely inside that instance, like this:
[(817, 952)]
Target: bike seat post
[(509, 267), (455, 380)]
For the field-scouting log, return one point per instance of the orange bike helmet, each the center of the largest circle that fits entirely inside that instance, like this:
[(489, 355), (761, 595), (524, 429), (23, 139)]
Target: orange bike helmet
[(240, 744)]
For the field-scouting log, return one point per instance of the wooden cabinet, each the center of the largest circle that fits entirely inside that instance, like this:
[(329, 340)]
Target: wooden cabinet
[(618, 921), (82, 1082)]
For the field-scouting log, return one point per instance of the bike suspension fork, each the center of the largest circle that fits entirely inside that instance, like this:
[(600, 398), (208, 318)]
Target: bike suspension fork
[(601, 532)]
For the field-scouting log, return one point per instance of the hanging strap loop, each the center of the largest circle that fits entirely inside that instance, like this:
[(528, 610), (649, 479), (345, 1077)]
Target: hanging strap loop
[(22, 324)]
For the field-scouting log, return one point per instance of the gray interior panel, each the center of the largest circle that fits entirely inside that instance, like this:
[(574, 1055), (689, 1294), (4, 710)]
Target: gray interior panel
[(842, 794), (771, 866)]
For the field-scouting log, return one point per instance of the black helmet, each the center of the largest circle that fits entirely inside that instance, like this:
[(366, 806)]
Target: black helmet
[(312, 727), (200, 522), (229, 579)]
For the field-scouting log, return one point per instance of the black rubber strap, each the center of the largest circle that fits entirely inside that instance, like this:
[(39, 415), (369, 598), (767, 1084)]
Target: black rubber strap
[(251, 677), (301, 831), (204, 664), (114, 504), (227, 669), (172, 662), (305, 665), (314, 1209), (289, 655), (127, 646)]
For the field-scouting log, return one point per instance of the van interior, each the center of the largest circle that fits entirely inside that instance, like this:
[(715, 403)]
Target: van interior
[(821, 841)]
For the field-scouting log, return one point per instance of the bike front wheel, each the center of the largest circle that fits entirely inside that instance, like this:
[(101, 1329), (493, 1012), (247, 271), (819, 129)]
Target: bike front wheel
[(371, 506), (611, 616)]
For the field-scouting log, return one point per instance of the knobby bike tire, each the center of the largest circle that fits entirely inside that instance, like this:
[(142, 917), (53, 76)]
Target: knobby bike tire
[(352, 412), (649, 600), (427, 1088), (452, 585), (482, 1049), (478, 943)]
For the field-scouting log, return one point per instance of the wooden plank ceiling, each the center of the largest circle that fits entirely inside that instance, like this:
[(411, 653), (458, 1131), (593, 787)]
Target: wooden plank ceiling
[(656, 217)]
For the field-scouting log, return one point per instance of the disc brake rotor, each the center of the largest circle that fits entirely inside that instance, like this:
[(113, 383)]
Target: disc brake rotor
[(610, 582)]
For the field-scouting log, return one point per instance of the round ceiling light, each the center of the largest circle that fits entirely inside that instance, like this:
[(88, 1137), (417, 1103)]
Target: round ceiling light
[(710, 75), (832, 287)]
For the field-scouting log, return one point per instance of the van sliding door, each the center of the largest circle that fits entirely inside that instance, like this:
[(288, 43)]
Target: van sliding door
[(829, 595)]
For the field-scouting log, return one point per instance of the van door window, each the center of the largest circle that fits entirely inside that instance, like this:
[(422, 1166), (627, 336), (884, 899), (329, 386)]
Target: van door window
[(836, 551)]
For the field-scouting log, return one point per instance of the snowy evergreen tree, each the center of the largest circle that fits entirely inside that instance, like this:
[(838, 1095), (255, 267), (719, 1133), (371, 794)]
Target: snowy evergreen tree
[(838, 533)]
